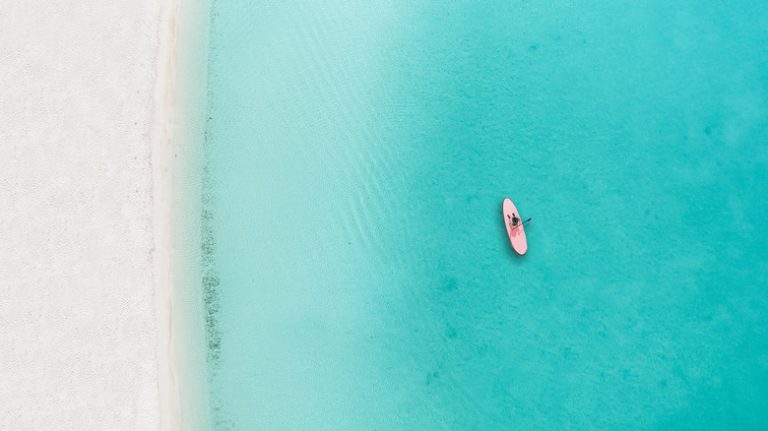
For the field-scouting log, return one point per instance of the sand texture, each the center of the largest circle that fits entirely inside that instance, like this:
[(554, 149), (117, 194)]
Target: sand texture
[(78, 293)]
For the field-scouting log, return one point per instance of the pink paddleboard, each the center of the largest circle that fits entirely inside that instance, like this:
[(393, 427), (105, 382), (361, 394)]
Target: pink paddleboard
[(516, 233)]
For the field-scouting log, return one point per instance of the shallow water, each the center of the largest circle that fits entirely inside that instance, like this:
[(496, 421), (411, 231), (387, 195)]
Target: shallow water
[(358, 273)]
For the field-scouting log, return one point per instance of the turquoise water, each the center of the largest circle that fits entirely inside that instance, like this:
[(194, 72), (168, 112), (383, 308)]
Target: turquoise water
[(357, 271)]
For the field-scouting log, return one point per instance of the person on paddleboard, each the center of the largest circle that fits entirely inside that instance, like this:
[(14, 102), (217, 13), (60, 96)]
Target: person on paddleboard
[(516, 221)]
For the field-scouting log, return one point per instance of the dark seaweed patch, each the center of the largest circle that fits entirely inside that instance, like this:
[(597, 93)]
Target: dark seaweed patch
[(210, 278)]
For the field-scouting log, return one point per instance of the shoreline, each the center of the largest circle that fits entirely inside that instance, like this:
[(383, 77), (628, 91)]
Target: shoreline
[(180, 91)]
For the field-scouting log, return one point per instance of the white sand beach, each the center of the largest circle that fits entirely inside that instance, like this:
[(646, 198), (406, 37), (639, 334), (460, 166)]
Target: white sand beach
[(87, 143)]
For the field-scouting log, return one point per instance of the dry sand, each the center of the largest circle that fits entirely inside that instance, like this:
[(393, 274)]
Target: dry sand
[(86, 269)]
